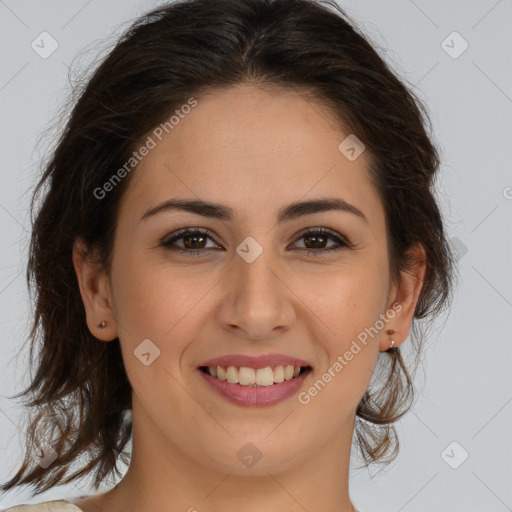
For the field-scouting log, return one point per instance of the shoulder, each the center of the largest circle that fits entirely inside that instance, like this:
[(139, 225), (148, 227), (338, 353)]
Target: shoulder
[(46, 506)]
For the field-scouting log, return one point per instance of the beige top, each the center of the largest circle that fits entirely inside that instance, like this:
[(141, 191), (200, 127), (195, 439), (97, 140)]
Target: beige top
[(46, 506)]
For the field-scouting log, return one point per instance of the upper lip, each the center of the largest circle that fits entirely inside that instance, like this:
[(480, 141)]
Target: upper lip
[(255, 361)]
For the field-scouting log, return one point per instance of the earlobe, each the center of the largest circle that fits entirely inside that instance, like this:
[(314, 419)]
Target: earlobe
[(405, 298), (95, 293)]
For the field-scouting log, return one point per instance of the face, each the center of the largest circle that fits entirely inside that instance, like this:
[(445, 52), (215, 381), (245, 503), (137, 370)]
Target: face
[(301, 288)]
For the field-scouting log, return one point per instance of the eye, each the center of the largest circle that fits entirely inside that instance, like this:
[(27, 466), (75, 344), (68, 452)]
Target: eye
[(318, 237), (194, 241)]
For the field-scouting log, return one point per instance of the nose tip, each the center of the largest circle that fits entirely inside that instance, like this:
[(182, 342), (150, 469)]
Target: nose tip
[(257, 302)]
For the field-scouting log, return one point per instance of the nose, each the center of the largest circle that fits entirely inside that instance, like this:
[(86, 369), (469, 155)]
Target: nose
[(257, 303)]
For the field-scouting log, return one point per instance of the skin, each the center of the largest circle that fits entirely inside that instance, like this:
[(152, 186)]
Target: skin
[(255, 150)]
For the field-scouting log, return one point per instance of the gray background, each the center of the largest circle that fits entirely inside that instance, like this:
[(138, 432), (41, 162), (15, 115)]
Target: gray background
[(465, 390)]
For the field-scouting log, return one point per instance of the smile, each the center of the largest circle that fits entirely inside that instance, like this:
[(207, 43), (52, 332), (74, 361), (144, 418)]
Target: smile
[(253, 387), (254, 377)]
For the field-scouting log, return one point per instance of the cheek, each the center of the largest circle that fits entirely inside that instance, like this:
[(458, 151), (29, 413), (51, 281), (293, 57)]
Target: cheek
[(156, 304), (162, 304), (352, 311), (352, 299), (151, 299)]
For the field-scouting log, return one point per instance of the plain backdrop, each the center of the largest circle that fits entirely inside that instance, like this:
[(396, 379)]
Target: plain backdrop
[(456, 442)]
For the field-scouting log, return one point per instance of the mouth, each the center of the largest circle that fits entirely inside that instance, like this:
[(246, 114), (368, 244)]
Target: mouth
[(256, 377), (255, 387)]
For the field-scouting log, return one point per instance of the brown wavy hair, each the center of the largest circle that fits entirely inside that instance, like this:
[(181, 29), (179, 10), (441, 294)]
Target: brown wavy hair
[(80, 391)]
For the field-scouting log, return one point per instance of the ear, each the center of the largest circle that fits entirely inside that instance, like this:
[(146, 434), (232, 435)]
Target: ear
[(95, 292), (404, 296)]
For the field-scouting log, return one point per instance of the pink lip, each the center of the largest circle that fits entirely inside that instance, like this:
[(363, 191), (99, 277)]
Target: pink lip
[(257, 396), (255, 361)]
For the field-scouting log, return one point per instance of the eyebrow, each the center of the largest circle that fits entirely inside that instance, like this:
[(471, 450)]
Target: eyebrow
[(287, 213)]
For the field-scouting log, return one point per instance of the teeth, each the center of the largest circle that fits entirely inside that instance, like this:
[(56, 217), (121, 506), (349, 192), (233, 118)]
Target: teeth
[(221, 372), (278, 374), (251, 377), (288, 372), (246, 376), (232, 375), (265, 376)]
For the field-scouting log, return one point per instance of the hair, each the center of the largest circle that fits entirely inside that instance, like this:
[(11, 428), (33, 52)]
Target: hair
[(80, 389)]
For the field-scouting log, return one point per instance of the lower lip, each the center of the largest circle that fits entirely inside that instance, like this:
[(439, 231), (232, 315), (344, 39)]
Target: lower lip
[(257, 396)]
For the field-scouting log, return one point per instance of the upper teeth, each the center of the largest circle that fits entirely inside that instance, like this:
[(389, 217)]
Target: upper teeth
[(254, 377)]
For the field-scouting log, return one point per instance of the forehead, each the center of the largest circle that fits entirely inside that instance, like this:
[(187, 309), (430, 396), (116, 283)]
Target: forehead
[(248, 147)]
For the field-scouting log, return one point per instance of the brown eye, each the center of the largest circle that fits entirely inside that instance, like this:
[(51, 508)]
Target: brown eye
[(191, 241), (194, 241), (315, 241)]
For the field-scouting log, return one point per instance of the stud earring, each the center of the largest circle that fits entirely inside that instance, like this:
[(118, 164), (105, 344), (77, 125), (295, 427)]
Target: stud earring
[(390, 332), (102, 325)]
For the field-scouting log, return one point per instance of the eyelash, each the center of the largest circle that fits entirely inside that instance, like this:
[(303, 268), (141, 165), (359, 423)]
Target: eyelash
[(344, 243)]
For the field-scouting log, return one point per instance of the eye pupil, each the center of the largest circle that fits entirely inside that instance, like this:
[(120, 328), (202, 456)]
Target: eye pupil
[(316, 237), (190, 245)]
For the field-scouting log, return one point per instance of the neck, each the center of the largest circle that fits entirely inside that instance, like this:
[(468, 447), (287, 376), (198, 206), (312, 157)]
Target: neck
[(162, 477)]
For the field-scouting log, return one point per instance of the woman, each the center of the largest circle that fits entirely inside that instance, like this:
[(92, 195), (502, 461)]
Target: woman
[(238, 234)]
